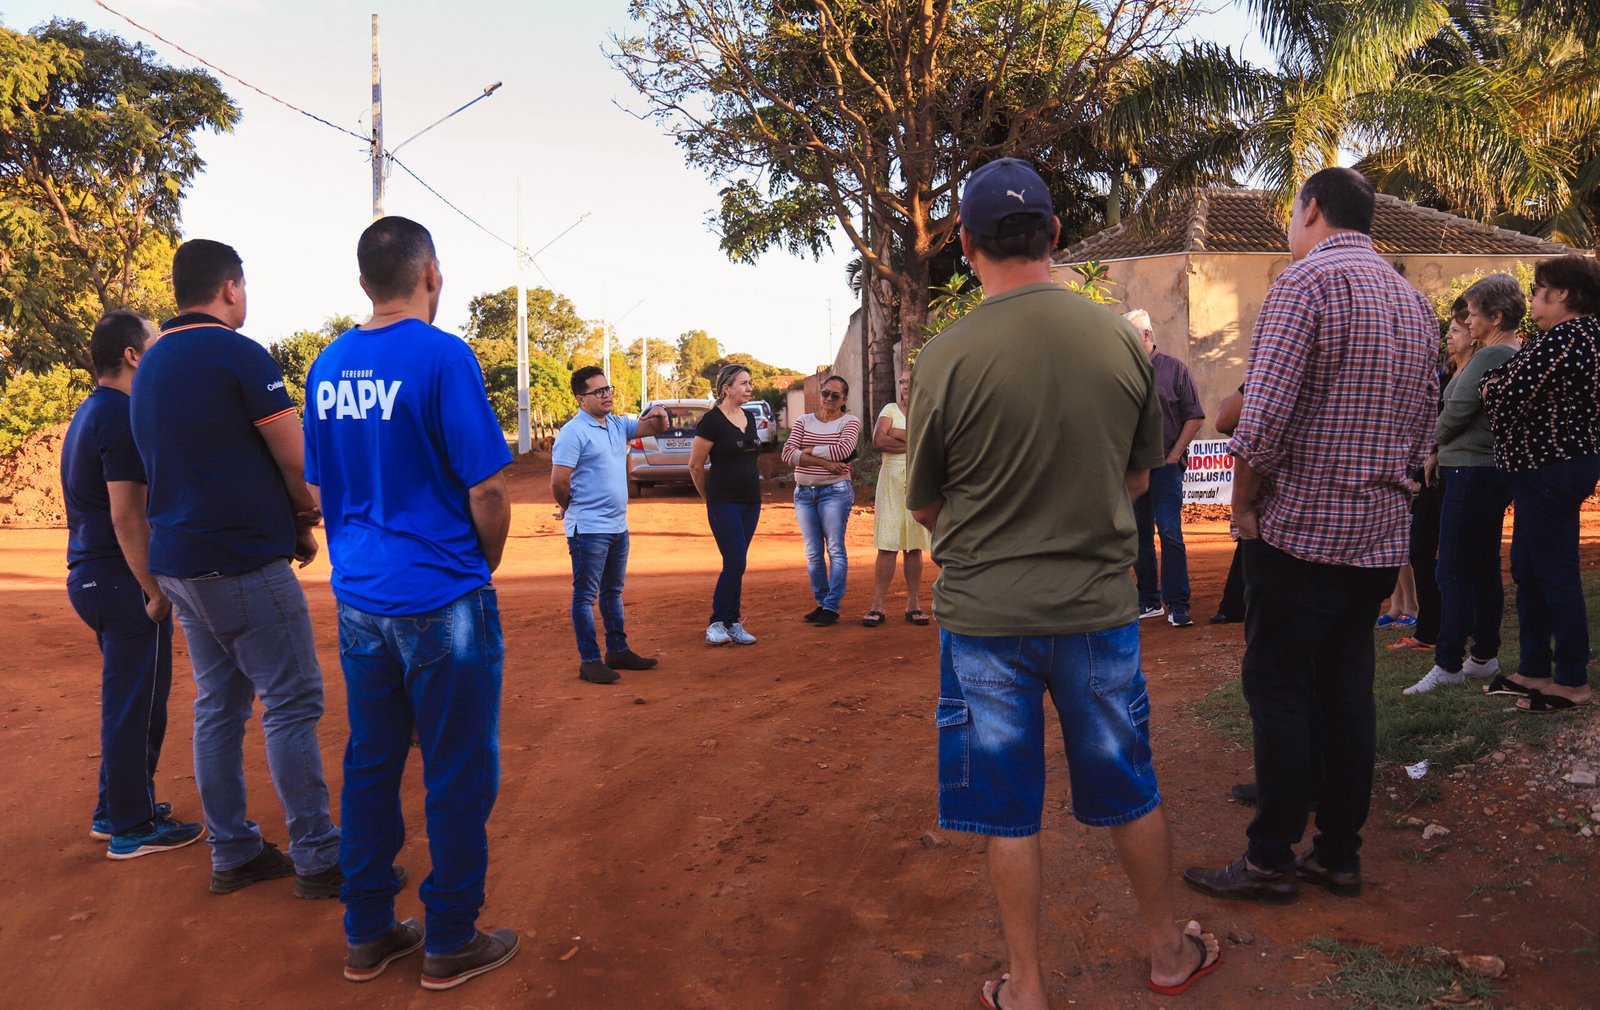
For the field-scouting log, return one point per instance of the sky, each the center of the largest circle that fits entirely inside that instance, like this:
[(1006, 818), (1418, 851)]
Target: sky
[(293, 195)]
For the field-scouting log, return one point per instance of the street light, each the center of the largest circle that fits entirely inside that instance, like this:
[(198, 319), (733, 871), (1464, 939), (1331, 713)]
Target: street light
[(491, 89)]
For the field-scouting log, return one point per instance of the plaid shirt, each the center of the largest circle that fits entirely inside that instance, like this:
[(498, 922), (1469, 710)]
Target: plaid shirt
[(1340, 399)]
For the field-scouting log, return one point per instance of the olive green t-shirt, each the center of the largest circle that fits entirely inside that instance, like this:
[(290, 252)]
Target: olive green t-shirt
[(1025, 417)]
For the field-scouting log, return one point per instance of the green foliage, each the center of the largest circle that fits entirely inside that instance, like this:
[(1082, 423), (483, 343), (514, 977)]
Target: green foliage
[(697, 353), (97, 148), (1523, 272), (1368, 979), (35, 400), (554, 327), (957, 297), (549, 382)]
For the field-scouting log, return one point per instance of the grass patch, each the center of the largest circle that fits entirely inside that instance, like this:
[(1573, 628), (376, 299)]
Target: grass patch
[(1368, 979), (1446, 727)]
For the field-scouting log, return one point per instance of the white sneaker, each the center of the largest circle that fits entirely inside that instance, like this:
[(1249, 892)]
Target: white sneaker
[(1151, 612), (1434, 678), (741, 636), (1481, 667), (717, 633)]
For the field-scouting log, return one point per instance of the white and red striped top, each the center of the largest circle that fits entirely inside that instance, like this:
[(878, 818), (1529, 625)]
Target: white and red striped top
[(835, 440)]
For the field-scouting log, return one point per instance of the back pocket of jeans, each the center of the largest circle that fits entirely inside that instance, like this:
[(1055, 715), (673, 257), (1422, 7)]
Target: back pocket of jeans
[(955, 743)]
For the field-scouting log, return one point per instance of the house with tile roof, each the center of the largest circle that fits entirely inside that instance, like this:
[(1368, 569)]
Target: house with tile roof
[(1203, 270)]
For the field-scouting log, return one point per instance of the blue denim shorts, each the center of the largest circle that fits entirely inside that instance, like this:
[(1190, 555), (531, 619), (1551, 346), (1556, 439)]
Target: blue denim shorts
[(991, 729)]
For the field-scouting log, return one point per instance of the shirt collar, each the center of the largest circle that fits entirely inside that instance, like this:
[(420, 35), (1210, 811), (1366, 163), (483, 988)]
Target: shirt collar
[(595, 421), (1342, 240), (193, 319)]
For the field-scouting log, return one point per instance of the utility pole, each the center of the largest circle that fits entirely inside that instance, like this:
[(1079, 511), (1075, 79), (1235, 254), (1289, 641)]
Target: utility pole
[(644, 372), (524, 432), (377, 128)]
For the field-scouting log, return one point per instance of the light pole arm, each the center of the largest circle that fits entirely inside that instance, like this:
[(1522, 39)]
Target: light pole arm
[(491, 89)]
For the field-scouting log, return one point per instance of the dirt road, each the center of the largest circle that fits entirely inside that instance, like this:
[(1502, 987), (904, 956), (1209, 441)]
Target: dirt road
[(738, 828)]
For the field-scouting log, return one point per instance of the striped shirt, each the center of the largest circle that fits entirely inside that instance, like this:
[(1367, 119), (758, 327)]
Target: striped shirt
[(1544, 404), (1340, 398), (835, 440)]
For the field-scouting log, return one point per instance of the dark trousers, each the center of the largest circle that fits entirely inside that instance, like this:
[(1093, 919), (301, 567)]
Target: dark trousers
[(1160, 510), (733, 525), (135, 680), (1544, 563), (1309, 655), (1232, 605), (1472, 597), (1425, 558)]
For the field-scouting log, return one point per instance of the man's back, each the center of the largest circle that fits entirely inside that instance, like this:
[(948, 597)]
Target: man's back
[(217, 499), (398, 429), (1025, 416)]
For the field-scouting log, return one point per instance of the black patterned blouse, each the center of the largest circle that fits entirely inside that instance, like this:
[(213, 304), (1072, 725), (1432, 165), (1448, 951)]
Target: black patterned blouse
[(1544, 404)]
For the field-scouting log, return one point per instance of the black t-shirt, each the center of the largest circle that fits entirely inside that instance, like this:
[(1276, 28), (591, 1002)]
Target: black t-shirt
[(99, 448), (732, 478)]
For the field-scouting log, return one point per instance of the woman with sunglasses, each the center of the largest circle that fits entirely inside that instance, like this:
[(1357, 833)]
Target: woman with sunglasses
[(819, 448), (731, 486), (1544, 409)]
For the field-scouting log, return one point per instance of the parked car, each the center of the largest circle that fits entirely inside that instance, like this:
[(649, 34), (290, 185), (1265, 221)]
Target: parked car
[(658, 459), (766, 424)]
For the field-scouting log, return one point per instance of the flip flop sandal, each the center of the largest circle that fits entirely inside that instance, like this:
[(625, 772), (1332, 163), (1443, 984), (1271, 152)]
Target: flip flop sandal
[(1502, 684), (1542, 703), (917, 617), (1409, 643), (983, 994), (1200, 972), (874, 618)]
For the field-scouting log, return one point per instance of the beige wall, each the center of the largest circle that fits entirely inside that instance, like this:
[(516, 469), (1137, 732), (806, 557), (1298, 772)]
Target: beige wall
[(1214, 298)]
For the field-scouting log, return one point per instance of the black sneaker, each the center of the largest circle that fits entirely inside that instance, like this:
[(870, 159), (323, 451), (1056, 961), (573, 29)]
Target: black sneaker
[(268, 864), (627, 659), (826, 617), (366, 961), (597, 673), (485, 953), (327, 883), (812, 617)]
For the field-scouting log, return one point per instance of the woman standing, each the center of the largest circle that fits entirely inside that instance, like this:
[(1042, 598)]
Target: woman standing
[(893, 529), (1544, 408), (731, 487), (1483, 336), (819, 448)]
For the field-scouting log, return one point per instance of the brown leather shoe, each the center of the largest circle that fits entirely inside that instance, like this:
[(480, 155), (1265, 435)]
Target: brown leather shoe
[(486, 952), (1239, 880), (1345, 883)]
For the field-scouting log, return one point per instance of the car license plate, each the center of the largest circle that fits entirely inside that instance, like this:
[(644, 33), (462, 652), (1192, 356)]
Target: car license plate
[(677, 444)]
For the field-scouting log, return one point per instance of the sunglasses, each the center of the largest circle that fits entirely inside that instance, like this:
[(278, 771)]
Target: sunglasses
[(829, 394), (602, 391)]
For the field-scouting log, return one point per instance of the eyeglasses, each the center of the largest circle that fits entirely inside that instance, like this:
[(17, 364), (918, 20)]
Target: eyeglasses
[(828, 394), (602, 391)]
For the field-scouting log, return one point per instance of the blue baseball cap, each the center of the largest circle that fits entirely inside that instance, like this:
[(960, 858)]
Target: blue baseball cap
[(1005, 197)]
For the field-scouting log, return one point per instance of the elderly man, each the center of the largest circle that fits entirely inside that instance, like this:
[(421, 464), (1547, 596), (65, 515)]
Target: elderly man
[(1036, 599), (1161, 508)]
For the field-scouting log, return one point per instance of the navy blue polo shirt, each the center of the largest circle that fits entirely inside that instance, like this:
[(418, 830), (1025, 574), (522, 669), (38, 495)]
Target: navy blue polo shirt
[(98, 449), (218, 504)]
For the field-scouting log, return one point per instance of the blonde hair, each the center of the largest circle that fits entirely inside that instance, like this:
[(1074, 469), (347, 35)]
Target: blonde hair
[(727, 375)]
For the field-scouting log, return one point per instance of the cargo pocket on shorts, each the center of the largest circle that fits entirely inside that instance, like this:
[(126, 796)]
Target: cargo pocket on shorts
[(955, 743)]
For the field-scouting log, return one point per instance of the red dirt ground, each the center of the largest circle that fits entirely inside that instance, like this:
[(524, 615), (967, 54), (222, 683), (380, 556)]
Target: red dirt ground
[(738, 828)]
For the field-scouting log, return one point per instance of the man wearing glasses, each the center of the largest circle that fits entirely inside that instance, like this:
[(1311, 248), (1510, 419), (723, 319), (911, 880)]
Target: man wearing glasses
[(589, 479)]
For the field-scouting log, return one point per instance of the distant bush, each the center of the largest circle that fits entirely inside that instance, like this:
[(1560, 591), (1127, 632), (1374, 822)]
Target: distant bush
[(35, 400)]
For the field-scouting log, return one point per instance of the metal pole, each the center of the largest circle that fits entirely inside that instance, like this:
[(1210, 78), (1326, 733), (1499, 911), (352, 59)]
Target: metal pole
[(377, 127), (644, 372), (524, 434)]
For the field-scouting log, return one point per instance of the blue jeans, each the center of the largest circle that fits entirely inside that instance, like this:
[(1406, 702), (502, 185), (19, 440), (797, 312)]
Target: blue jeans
[(250, 635), (733, 524), (135, 680), (991, 729), (599, 565), (1544, 563), (1471, 596), (440, 670), (822, 513), (1161, 508)]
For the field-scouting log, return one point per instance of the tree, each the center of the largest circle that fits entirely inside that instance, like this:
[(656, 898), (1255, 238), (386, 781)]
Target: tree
[(35, 400), (554, 327), (97, 148), (295, 354), (868, 115), (696, 351)]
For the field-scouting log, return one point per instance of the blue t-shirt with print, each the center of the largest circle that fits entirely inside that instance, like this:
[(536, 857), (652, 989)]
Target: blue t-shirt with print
[(398, 429), (598, 456), (218, 504), (98, 449)]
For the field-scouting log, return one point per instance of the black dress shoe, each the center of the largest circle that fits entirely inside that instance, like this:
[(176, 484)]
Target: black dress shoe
[(597, 673), (825, 617), (1224, 619), (812, 617), (627, 659), (1239, 880), (1345, 883)]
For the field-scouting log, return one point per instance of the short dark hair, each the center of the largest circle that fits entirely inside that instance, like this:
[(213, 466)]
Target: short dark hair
[(1498, 297), (1346, 197), (392, 254), (1458, 309), (580, 378), (1578, 276), (116, 331), (1033, 244), (199, 269)]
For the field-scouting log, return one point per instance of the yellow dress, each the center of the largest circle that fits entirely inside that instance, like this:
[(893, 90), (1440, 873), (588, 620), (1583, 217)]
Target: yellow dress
[(893, 529)]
